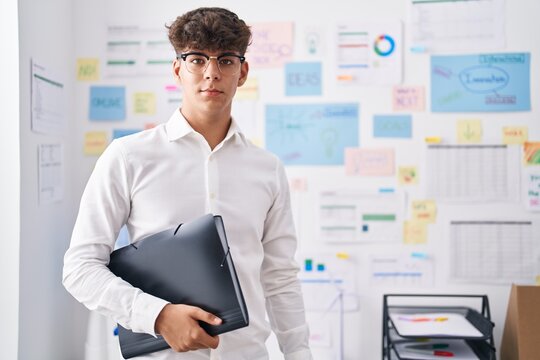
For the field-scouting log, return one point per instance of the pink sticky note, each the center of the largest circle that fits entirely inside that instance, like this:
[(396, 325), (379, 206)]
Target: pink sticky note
[(408, 98), (369, 162)]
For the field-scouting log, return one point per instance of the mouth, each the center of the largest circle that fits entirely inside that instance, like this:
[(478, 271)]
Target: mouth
[(212, 91)]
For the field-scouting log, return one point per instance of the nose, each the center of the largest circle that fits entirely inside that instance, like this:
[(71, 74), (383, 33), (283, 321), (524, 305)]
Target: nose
[(212, 69)]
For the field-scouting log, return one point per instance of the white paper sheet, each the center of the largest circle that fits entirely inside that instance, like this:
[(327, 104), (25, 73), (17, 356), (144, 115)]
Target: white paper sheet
[(51, 169), (47, 101), (440, 324)]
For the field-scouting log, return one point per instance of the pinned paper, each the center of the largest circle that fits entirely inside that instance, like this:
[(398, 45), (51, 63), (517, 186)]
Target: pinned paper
[(248, 91), (408, 98), (88, 69), (144, 103), (107, 103), (408, 175), (531, 152), (469, 131), (272, 44), (392, 126), (424, 211), (303, 79), (414, 232), (369, 162), (532, 195), (515, 134), (95, 142)]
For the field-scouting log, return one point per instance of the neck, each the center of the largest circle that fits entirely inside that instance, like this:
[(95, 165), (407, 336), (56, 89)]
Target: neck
[(213, 127)]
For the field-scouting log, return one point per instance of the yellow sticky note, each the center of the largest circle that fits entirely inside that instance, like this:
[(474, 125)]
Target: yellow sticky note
[(144, 103), (88, 69), (538, 280), (433, 140), (248, 91), (95, 142), (515, 134), (408, 175), (414, 232), (424, 211), (469, 131)]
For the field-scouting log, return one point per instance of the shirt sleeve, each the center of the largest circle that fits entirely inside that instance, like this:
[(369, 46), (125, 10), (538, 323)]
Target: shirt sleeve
[(284, 302), (104, 208)]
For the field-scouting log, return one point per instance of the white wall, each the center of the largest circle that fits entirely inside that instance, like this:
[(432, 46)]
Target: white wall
[(10, 179), (363, 329), (51, 322)]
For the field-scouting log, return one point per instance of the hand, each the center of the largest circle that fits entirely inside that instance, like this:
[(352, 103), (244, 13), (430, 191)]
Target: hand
[(178, 324)]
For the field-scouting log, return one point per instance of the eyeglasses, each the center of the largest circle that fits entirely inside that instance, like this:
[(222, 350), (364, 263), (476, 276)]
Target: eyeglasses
[(197, 62)]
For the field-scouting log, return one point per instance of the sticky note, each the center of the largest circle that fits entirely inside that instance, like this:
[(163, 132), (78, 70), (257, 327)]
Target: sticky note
[(144, 103), (107, 103), (469, 131), (538, 280), (531, 153), (303, 78), (408, 98), (424, 211), (392, 126), (95, 142), (414, 232), (369, 162), (249, 90), (433, 140), (88, 69), (298, 184), (515, 134), (408, 175), (118, 133)]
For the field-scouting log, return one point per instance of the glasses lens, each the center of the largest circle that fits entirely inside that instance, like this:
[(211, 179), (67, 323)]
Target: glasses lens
[(228, 65)]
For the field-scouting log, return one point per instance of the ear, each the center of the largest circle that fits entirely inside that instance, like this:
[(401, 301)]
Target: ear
[(243, 73), (176, 70)]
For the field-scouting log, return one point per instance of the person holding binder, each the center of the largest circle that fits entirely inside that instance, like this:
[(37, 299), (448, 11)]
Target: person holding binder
[(196, 163)]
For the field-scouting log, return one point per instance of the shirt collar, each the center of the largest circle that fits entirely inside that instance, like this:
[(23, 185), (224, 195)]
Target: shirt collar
[(177, 127)]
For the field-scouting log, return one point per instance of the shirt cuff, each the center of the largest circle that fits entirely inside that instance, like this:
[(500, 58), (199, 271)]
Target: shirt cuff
[(146, 309), (299, 355)]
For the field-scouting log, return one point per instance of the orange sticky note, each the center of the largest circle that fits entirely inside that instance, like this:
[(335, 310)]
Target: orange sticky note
[(95, 142), (515, 134)]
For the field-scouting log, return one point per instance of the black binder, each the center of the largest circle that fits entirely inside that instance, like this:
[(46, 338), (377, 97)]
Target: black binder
[(190, 264)]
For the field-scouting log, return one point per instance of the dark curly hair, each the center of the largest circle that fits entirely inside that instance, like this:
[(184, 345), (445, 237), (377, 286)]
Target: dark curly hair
[(209, 28)]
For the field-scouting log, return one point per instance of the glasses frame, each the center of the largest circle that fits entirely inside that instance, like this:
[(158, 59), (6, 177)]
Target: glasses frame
[(184, 56)]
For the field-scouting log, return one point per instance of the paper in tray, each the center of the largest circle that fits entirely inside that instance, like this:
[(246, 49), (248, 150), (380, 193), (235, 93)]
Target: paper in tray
[(435, 349), (434, 324)]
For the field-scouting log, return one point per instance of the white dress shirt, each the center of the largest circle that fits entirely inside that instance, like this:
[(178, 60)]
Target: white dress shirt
[(158, 178)]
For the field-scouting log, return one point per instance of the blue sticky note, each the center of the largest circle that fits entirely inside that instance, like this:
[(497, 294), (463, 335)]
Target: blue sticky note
[(118, 133), (311, 134), (484, 82), (107, 103), (392, 126), (303, 79)]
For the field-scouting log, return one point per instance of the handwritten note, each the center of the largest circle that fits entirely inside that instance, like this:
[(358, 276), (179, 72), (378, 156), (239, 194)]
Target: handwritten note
[(392, 126), (414, 232), (408, 175), (469, 131), (311, 134), (515, 134), (272, 44), (95, 142), (144, 103), (303, 78), (484, 82), (424, 211), (531, 153), (369, 162), (408, 98), (533, 192), (107, 103), (88, 69)]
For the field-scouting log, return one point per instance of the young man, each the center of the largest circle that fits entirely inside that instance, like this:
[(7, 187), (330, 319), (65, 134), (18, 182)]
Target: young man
[(198, 162)]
